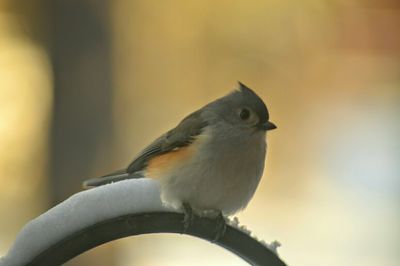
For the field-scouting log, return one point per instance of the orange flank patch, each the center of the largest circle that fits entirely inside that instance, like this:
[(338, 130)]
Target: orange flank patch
[(162, 164)]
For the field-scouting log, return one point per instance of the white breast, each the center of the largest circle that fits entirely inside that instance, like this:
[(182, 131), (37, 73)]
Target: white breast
[(222, 174)]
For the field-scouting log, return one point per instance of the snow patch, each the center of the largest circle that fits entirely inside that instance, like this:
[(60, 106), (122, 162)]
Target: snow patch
[(273, 246), (82, 210)]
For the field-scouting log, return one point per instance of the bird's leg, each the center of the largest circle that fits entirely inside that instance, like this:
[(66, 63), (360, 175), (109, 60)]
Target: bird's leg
[(220, 226), (188, 216)]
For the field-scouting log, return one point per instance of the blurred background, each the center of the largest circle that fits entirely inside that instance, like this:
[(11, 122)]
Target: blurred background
[(84, 85)]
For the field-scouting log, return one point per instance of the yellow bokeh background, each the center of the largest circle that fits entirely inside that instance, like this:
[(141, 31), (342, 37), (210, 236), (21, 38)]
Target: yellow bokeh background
[(329, 72)]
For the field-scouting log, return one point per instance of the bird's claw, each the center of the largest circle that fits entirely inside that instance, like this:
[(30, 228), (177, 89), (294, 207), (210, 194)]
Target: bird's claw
[(220, 227), (188, 217)]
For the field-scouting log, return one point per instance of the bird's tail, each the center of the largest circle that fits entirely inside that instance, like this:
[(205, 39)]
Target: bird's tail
[(110, 178)]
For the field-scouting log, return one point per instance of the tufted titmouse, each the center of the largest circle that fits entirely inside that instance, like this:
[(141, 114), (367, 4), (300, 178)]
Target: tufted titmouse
[(212, 160)]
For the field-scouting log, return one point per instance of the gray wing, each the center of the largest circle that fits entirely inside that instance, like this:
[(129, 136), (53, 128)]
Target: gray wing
[(181, 136)]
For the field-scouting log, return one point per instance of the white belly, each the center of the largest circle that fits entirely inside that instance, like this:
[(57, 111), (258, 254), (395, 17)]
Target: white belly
[(223, 180)]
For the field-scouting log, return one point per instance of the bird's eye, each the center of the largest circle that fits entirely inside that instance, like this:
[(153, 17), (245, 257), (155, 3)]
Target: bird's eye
[(244, 114)]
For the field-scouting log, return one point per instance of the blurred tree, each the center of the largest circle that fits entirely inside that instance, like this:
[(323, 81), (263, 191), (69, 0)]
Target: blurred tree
[(81, 129), (82, 92)]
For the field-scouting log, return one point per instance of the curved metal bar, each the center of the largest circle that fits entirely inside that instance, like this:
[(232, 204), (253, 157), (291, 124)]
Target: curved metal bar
[(234, 240)]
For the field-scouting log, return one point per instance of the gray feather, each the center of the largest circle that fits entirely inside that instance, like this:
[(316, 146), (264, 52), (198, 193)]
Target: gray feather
[(181, 136), (111, 178)]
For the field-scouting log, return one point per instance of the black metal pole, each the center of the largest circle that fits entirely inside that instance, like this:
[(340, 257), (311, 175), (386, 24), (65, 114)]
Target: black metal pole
[(234, 240)]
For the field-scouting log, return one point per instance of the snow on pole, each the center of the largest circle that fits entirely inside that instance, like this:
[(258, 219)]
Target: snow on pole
[(130, 207), (81, 210)]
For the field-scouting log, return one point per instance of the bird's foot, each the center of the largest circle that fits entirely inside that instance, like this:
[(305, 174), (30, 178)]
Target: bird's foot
[(220, 227), (188, 217), (216, 216)]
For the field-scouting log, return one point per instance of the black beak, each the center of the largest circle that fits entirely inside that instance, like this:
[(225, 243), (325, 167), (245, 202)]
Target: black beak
[(267, 126)]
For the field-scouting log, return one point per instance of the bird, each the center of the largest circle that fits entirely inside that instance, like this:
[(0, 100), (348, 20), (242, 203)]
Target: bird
[(211, 162)]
